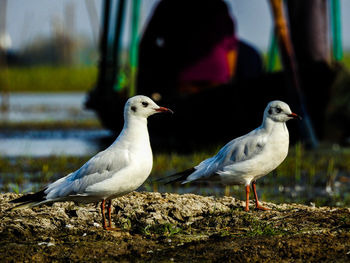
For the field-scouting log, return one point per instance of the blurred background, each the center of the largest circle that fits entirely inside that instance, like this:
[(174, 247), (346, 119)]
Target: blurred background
[(67, 68)]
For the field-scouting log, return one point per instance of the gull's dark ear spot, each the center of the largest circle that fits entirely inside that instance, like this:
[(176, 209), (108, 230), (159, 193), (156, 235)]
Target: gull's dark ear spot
[(270, 111), (133, 108)]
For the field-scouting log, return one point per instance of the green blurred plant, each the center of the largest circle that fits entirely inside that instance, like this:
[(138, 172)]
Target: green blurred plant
[(49, 79)]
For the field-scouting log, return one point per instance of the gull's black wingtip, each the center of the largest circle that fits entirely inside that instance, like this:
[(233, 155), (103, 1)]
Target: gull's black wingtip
[(178, 177), (29, 198)]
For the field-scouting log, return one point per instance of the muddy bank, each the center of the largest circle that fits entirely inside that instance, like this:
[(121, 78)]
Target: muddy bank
[(171, 227)]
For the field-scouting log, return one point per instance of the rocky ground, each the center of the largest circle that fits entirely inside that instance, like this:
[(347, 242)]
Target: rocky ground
[(170, 227)]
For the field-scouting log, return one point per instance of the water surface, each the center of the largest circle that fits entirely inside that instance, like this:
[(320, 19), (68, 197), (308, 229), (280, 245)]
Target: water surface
[(34, 107), (48, 108), (53, 142)]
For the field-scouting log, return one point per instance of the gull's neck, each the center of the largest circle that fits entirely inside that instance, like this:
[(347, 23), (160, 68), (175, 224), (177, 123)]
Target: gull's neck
[(135, 128), (134, 133), (269, 126)]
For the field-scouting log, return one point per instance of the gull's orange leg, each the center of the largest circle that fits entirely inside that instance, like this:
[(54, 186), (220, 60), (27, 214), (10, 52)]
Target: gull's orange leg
[(257, 205), (109, 208), (247, 191), (104, 225)]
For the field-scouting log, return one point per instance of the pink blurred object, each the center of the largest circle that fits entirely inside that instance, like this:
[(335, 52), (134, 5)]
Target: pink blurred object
[(215, 66)]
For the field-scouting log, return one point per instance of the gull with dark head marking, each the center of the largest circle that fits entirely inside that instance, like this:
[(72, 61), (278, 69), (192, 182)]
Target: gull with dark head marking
[(118, 170), (245, 159)]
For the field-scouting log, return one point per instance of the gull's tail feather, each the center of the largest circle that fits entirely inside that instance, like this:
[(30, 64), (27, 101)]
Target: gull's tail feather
[(178, 177), (29, 200)]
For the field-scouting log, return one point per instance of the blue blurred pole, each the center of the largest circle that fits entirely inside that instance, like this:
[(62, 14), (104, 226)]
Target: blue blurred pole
[(134, 42), (336, 30), (272, 53), (117, 43)]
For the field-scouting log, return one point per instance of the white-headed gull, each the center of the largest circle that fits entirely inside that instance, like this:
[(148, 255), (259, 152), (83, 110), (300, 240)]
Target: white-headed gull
[(118, 170), (247, 158)]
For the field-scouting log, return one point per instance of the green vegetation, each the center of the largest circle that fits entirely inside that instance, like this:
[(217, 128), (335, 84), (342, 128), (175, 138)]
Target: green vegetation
[(48, 79), (346, 60), (302, 178), (27, 174), (261, 227), (69, 79), (166, 230)]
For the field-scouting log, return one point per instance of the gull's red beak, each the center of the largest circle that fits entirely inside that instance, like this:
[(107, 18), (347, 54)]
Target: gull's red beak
[(163, 109), (294, 116)]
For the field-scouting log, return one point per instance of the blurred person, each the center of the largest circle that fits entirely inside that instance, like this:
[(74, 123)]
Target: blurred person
[(191, 46)]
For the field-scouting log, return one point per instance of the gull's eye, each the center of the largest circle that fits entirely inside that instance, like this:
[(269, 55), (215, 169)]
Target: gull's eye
[(278, 110), (144, 104)]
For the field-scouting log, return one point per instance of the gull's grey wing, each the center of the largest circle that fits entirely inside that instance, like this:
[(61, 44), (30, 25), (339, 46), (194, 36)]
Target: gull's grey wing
[(236, 151), (242, 148), (100, 167), (106, 160)]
